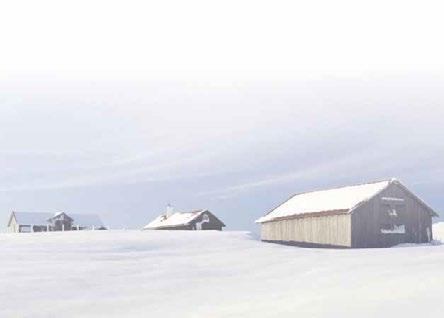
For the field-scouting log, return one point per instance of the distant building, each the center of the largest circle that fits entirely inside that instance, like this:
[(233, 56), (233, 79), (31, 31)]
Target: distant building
[(20, 222), (379, 214), (195, 220)]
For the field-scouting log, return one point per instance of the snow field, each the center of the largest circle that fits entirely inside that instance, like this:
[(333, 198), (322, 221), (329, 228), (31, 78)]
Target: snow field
[(211, 274)]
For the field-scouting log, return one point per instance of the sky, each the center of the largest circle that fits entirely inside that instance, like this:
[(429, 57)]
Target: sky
[(122, 107)]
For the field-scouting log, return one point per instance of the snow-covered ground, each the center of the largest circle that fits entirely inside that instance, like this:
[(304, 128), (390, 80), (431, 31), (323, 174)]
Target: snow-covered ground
[(211, 274), (438, 231)]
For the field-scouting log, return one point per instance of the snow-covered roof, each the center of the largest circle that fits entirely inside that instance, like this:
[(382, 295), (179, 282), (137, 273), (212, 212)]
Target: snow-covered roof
[(32, 218), (339, 199), (176, 219), (86, 220)]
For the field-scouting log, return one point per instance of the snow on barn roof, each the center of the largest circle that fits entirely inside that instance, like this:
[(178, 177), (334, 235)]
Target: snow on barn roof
[(339, 199), (176, 219), (32, 218), (87, 220)]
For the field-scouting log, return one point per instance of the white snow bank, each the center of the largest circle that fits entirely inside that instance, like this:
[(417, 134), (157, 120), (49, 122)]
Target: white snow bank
[(438, 231), (210, 274)]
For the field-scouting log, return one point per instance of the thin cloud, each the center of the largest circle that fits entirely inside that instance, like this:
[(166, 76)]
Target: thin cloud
[(349, 166), (164, 171)]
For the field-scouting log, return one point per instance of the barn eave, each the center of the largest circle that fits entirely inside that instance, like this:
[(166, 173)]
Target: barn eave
[(307, 215)]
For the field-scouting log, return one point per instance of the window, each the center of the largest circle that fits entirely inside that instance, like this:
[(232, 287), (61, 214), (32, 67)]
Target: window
[(392, 211), (392, 229)]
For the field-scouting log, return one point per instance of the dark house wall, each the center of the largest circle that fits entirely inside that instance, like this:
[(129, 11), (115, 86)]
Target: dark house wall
[(376, 214), (213, 224), (61, 222)]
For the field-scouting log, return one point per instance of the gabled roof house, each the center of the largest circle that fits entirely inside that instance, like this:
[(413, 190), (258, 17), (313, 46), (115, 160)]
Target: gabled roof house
[(195, 220)]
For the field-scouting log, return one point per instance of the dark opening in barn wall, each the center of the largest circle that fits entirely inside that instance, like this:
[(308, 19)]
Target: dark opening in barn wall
[(393, 226), (39, 228)]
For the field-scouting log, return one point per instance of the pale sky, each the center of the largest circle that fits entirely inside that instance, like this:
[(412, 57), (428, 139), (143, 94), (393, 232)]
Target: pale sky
[(120, 107)]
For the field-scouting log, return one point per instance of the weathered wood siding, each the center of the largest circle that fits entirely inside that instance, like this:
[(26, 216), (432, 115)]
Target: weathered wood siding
[(332, 230), (368, 219)]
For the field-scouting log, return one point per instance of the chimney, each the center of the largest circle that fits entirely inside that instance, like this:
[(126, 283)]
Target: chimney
[(169, 210)]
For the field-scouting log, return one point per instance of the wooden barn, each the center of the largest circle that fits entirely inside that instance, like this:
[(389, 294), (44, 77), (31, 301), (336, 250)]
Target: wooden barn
[(194, 220), (20, 222), (379, 214)]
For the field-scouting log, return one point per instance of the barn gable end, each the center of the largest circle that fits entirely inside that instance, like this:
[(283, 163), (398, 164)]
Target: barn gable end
[(213, 222), (392, 217), (13, 225)]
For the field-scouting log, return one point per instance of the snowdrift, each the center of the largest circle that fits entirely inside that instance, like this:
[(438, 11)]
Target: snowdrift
[(211, 274)]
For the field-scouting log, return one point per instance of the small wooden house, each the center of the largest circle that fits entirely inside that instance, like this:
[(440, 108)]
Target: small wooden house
[(379, 214), (195, 220), (20, 222)]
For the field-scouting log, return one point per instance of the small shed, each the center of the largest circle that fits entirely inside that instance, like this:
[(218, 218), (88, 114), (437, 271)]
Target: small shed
[(195, 220), (378, 214)]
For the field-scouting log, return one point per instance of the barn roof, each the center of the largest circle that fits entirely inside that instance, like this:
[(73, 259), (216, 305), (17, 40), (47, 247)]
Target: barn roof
[(87, 220), (32, 218), (333, 200), (176, 219)]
